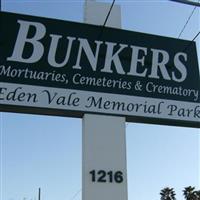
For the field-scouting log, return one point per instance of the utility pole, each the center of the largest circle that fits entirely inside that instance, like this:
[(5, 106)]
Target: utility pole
[(39, 194)]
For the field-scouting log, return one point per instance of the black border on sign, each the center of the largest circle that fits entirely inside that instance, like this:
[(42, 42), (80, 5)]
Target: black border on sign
[(80, 114)]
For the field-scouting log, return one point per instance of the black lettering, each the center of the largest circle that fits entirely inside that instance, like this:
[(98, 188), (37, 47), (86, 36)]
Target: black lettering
[(197, 112), (2, 93), (172, 109), (50, 98), (93, 102)]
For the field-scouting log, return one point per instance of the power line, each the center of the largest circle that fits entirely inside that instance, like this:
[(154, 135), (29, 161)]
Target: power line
[(187, 22), (190, 43), (192, 3), (75, 195), (196, 36), (104, 24), (109, 13)]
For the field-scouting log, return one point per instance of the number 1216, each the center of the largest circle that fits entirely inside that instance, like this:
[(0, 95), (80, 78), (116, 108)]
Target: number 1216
[(106, 176)]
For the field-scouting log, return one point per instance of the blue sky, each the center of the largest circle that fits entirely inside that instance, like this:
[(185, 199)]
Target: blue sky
[(43, 151)]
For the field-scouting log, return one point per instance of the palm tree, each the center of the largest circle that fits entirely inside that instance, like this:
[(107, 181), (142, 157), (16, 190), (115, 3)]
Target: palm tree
[(190, 193), (167, 194), (197, 195)]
